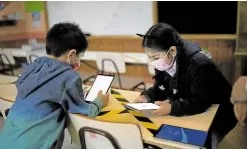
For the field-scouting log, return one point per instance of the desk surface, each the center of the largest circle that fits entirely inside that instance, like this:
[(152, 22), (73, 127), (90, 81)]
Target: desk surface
[(8, 92), (129, 57), (4, 79), (199, 122)]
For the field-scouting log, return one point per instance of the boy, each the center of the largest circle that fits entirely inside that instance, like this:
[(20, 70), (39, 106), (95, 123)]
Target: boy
[(48, 89)]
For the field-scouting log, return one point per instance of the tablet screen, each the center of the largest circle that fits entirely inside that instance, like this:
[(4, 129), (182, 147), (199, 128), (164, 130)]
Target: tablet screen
[(102, 82), (143, 106), (183, 135)]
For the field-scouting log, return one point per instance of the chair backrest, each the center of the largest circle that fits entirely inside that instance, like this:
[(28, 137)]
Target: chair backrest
[(9, 59), (151, 70), (130, 140), (4, 105), (32, 57), (39, 52), (35, 54), (18, 52), (26, 47), (111, 62), (92, 138)]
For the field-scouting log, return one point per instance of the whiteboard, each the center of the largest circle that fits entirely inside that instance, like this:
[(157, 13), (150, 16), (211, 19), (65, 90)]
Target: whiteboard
[(103, 17)]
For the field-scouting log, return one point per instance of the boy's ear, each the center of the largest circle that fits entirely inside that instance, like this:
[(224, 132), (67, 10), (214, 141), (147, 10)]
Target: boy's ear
[(71, 52)]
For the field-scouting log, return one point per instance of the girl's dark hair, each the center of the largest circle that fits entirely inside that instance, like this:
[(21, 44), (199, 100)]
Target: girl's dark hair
[(161, 37), (63, 37)]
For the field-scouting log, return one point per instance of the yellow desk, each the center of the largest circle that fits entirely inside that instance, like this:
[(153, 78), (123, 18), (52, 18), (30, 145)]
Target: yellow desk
[(4, 79), (8, 92), (198, 122)]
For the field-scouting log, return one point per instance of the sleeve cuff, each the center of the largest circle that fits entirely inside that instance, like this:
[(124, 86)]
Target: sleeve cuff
[(95, 107), (99, 103), (175, 109), (147, 97)]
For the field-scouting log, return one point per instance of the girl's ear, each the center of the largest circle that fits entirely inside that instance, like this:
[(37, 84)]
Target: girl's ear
[(173, 51)]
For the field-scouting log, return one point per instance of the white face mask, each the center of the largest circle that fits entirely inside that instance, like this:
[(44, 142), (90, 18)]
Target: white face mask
[(172, 70), (161, 65)]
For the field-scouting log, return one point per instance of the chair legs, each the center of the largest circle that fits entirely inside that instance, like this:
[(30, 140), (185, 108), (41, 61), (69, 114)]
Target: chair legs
[(9, 64), (6, 112), (138, 86), (86, 80)]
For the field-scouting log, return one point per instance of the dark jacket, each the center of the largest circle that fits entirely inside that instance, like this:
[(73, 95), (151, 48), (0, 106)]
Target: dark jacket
[(196, 85)]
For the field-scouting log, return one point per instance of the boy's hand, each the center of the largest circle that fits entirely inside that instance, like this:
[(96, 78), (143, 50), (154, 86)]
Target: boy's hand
[(104, 98), (141, 99)]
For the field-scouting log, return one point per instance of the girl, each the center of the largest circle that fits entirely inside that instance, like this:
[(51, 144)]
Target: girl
[(186, 81)]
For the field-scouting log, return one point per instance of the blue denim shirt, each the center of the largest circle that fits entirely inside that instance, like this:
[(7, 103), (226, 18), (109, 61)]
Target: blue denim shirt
[(47, 89)]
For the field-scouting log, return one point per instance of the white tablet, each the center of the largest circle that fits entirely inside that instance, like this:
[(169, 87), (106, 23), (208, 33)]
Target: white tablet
[(142, 106), (102, 82)]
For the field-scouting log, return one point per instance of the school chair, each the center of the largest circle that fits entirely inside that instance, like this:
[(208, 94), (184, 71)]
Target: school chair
[(35, 53), (114, 63), (87, 77), (7, 62), (10, 62), (16, 52), (26, 47), (88, 134), (95, 134), (4, 107), (32, 53), (31, 58)]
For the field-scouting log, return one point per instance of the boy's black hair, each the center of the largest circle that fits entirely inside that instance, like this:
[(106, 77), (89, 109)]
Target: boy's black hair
[(161, 37), (63, 37)]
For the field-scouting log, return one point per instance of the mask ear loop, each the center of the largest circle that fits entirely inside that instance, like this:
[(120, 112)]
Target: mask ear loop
[(68, 60), (78, 61), (174, 59), (167, 53)]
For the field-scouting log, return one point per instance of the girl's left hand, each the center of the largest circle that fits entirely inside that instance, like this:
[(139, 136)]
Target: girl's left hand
[(165, 108)]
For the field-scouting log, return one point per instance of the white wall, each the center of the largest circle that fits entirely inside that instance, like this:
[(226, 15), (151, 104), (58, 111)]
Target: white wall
[(104, 17)]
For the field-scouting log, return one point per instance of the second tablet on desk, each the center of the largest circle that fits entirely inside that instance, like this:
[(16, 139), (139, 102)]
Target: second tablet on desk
[(142, 106)]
